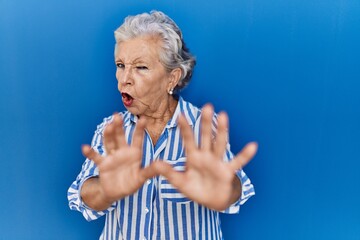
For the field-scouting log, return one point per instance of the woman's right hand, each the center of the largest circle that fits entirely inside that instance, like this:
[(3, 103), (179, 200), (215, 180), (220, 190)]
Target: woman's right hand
[(120, 171)]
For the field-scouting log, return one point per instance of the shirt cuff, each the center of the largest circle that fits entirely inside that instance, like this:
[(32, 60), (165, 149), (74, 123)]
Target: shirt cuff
[(78, 204), (247, 190)]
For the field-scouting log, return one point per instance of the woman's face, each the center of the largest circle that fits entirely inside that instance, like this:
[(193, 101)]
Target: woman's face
[(142, 79)]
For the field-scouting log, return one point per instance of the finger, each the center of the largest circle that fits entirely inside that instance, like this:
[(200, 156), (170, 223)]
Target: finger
[(154, 169), (91, 154), (138, 137), (206, 122), (176, 178), (187, 134), (109, 138), (222, 135), (119, 131), (244, 157)]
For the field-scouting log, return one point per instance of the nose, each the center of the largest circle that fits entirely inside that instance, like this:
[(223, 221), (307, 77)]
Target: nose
[(124, 75)]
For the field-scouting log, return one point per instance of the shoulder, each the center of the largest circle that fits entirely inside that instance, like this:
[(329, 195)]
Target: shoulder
[(191, 112), (100, 127)]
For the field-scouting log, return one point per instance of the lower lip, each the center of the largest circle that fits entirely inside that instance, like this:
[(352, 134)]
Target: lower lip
[(127, 102)]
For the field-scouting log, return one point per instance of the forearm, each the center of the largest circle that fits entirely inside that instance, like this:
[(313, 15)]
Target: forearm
[(237, 189), (93, 196)]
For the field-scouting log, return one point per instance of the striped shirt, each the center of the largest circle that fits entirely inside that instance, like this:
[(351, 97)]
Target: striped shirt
[(157, 210)]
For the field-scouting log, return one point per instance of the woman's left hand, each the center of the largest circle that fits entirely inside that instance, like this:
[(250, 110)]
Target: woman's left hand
[(208, 179)]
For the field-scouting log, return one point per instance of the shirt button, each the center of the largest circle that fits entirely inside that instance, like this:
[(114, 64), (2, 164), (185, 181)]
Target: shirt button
[(146, 210), (148, 181)]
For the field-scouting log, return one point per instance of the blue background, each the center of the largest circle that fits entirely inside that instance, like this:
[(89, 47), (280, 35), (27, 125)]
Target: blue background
[(287, 73)]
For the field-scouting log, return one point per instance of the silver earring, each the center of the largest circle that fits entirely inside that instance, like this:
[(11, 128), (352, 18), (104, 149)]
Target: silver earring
[(171, 91)]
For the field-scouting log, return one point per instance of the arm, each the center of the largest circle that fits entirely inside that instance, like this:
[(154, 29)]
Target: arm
[(76, 202), (208, 179), (246, 191), (236, 192), (92, 194), (88, 172)]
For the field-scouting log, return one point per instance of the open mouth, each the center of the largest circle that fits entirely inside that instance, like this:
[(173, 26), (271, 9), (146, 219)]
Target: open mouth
[(127, 99)]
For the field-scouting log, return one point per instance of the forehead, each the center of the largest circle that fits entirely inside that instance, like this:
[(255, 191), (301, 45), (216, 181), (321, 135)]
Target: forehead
[(143, 48)]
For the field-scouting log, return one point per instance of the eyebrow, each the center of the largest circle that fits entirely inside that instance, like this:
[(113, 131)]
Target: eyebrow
[(136, 60)]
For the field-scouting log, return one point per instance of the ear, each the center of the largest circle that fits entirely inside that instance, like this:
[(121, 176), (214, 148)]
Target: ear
[(174, 78)]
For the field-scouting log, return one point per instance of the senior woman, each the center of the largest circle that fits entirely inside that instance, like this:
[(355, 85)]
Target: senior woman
[(163, 168)]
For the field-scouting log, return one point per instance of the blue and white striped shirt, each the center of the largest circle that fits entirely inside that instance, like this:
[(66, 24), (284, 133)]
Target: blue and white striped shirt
[(157, 210)]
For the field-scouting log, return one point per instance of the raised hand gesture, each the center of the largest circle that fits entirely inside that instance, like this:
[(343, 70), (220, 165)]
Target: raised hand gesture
[(207, 179), (120, 170)]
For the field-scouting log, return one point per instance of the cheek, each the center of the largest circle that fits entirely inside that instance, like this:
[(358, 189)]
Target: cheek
[(117, 79), (117, 74), (142, 82)]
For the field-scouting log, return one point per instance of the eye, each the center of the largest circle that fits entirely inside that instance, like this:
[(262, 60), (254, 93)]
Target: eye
[(141, 68), (120, 65)]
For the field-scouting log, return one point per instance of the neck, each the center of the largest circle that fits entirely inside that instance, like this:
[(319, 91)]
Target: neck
[(156, 122)]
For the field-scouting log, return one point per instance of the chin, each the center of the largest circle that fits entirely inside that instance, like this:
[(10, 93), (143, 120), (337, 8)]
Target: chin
[(134, 111)]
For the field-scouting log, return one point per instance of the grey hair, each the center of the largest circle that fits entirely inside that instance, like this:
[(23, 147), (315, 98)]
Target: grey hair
[(174, 52)]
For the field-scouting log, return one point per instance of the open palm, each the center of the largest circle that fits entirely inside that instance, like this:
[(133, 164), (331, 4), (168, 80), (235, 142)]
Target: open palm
[(120, 170), (207, 179)]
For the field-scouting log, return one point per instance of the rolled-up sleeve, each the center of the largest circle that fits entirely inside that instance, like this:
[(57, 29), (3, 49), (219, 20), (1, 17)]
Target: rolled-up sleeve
[(88, 170), (247, 189)]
